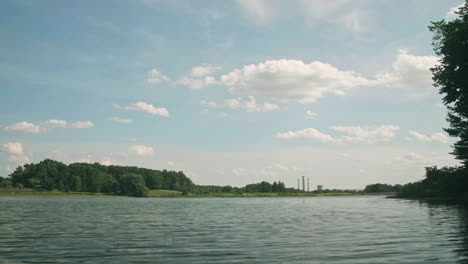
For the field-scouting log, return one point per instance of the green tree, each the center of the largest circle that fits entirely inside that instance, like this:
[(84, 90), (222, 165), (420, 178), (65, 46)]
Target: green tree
[(35, 183), (6, 184), (450, 42), (76, 184), (133, 185)]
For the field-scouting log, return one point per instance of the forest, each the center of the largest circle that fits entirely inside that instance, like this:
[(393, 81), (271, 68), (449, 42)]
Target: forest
[(120, 180)]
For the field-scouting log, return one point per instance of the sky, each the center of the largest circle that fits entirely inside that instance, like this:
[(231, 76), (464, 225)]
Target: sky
[(229, 92)]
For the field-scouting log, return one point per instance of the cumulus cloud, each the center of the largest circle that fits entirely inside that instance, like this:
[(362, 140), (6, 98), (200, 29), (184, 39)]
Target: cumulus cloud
[(121, 120), (366, 133), (203, 70), (13, 148), (199, 77), (17, 154), (291, 80), (196, 83), (56, 123), (308, 133), (141, 150), (154, 76), (411, 76), (145, 107), (310, 115), (439, 137), (353, 134), (451, 13), (248, 104), (82, 124), (24, 127)]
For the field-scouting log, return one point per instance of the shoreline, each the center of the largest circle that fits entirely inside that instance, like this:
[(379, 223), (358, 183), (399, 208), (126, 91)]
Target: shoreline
[(166, 194)]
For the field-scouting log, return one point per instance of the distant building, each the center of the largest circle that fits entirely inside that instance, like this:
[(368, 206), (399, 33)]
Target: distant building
[(319, 187)]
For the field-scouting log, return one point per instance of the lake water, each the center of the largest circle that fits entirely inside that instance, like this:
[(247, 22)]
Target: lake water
[(231, 230)]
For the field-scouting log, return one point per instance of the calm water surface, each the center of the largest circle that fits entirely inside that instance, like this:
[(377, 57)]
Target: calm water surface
[(231, 230)]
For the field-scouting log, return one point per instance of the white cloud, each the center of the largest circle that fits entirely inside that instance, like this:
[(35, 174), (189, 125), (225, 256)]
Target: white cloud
[(250, 105), (145, 107), (196, 83), (141, 150), (291, 80), (154, 76), (366, 133), (411, 77), (451, 13), (199, 77), (203, 70), (171, 163), (24, 127), (16, 151), (310, 115), (440, 137), (121, 120), (354, 134), (258, 10), (56, 123), (13, 148), (107, 161), (82, 124), (308, 133)]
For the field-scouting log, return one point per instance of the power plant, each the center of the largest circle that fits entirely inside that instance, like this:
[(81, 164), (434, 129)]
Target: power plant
[(319, 187)]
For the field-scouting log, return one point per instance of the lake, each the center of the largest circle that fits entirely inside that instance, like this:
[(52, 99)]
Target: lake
[(370, 229)]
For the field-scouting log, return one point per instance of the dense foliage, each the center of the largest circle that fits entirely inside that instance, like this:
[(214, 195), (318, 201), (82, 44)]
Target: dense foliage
[(451, 76), (382, 188), (124, 180), (444, 182)]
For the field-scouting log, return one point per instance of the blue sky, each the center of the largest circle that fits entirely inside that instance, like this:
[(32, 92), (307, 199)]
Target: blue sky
[(230, 92)]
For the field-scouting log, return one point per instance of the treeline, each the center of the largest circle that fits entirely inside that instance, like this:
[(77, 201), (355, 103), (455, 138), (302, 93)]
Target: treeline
[(122, 180), (262, 187), (382, 188), (84, 177), (448, 182)]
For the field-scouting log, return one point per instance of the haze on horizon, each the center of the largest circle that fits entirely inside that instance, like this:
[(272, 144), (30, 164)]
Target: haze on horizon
[(230, 92)]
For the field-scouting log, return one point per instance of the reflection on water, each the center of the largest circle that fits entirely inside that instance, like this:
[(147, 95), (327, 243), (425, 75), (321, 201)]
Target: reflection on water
[(452, 218), (226, 230)]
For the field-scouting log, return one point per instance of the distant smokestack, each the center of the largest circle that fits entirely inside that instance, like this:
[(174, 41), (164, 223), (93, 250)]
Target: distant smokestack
[(303, 183), (308, 189)]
